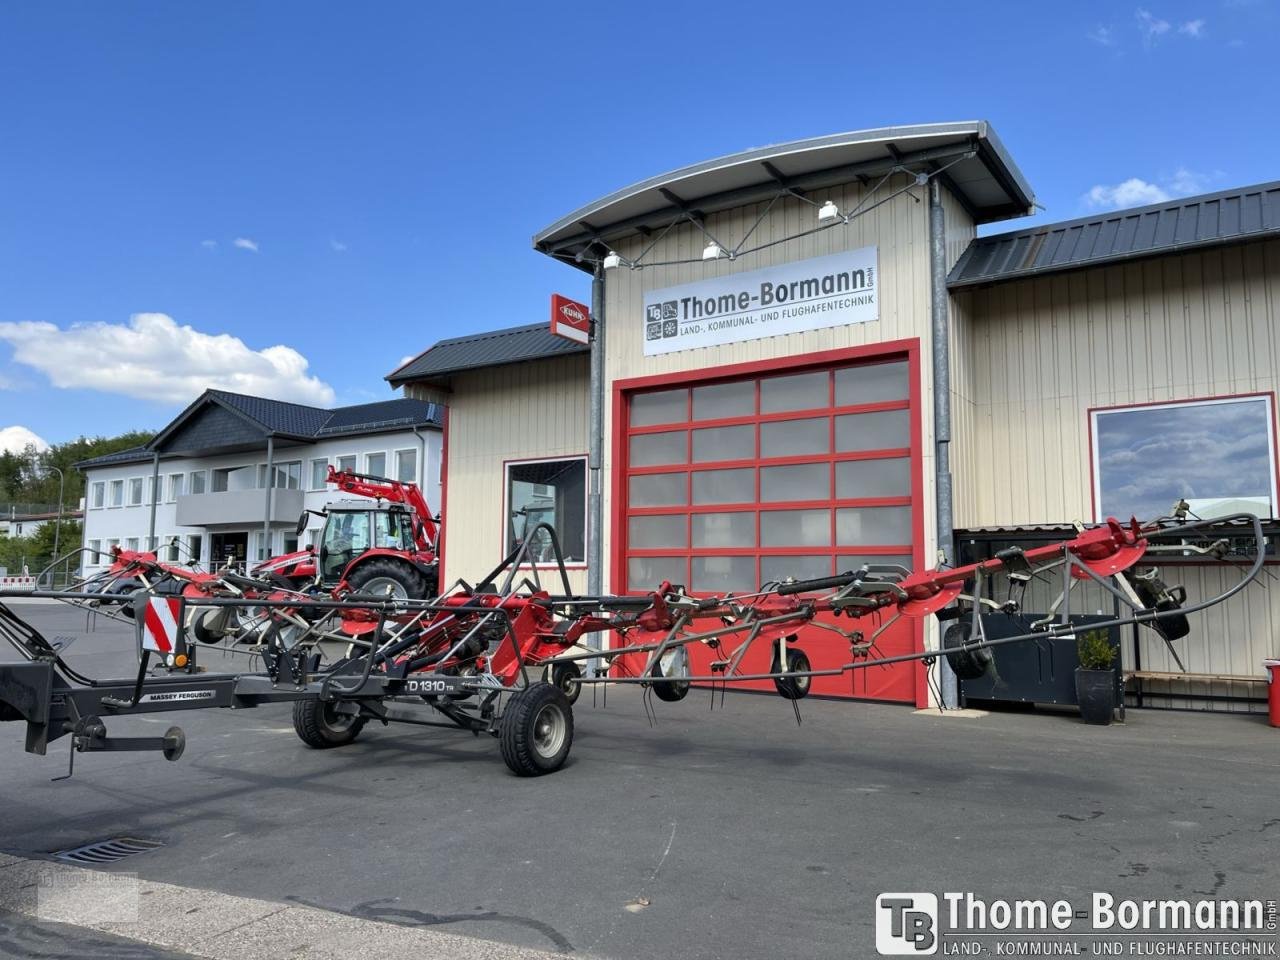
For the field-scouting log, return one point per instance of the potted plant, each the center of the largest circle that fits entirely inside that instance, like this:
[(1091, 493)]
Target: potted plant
[(1095, 677)]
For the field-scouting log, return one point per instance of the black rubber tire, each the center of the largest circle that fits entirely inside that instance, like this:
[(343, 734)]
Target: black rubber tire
[(123, 593), (384, 568), (536, 730), (318, 726), (675, 690), (567, 677), (793, 688), (201, 631), (965, 664), (1173, 627)]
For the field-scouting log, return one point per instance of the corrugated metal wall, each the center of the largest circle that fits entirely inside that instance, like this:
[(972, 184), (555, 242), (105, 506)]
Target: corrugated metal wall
[(521, 411), (1035, 355)]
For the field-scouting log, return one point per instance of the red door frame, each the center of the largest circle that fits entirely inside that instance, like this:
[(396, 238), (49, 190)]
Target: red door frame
[(797, 363)]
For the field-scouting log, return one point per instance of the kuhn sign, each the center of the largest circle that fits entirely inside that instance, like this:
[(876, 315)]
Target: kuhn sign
[(570, 319), (814, 294)]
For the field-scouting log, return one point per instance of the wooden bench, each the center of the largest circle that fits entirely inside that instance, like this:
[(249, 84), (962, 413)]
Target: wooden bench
[(1130, 676)]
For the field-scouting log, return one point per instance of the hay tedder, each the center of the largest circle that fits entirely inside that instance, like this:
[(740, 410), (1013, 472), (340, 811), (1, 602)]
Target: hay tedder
[(471, 658)]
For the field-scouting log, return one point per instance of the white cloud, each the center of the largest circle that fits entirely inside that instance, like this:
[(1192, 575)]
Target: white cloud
[(337, 246), (15, 439), (1135, 192), (244, 243), (1192, 28), (1151, 27), (1104, 36), (209, 244), (153, 358)]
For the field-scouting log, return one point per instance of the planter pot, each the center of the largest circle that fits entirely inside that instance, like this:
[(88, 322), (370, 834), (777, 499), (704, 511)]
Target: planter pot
[(1096, 694)]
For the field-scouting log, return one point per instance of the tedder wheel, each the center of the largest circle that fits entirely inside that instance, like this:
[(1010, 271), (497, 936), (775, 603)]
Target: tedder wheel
[(382, 576), (319, 725), (566, 676), (965, 664), (1149, 591), (536, 730), (793, 688), (673, 663)]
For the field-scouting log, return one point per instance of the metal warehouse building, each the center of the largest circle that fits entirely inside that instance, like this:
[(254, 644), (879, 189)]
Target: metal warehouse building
[(810, 358)]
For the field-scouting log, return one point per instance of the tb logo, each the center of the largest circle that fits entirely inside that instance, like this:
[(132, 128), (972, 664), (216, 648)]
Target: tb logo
[(906, 924)]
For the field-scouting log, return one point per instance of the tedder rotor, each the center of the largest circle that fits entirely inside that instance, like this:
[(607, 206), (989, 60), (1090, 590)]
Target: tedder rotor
[(466, 659)]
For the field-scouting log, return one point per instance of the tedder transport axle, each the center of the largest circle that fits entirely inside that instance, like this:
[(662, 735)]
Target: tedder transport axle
[(464, 660)]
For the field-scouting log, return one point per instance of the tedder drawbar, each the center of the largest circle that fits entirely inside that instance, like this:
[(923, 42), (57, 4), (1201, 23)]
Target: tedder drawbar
[(469, 658)]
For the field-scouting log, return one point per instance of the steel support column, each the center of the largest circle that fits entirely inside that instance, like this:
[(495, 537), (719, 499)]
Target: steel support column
[(155, 498), (941, 407), (271, 485), (595, 496)]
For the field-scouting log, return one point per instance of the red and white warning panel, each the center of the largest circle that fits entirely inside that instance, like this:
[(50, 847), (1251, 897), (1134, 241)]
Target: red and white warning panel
[(17, 583), (570, 319), (161, 630)]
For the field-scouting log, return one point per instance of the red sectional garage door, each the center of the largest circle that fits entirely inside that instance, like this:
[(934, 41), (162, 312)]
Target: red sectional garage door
[(806, 472)]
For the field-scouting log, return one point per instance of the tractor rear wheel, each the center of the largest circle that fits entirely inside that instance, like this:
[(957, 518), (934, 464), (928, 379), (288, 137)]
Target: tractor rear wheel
[(536, 730), (318, 724), (381, 575)]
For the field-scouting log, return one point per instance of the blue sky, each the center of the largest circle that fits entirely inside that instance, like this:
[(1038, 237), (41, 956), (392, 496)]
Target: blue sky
[(289, 198)]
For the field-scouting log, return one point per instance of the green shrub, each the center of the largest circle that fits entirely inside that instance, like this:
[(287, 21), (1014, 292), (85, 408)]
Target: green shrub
[(1094, 650)]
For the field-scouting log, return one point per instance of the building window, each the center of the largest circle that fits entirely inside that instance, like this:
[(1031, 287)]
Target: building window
[(98, 495), (131, 544), (173, 550), (407, 466), (195, 547), (347, 463), (1218, 455), (375, 464), (117, 493), (95, 548), (288, 475), (319, 474), (552, 492), (135, 491), (112, 544), (197, 481), (176, 483)]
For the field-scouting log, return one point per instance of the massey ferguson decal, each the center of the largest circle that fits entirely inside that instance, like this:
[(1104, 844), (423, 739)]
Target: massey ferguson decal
[(828, 291)]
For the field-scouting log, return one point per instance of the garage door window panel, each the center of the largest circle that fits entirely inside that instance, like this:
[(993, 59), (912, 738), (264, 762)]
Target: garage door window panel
[(795, 438), (724, 443), (724, 486), (723, 401), (659, 449)]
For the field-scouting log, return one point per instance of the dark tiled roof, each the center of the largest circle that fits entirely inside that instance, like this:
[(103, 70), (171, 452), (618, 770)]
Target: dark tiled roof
[(265, 416), (492, 349), (276, 416), (1216, 219), (132, 455), (384, 413)]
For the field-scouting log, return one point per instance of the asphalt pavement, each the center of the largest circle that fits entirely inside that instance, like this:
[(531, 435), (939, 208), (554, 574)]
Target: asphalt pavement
[(715, 833)]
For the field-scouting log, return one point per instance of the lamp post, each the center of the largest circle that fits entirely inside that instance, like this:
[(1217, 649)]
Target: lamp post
[(57, 529)]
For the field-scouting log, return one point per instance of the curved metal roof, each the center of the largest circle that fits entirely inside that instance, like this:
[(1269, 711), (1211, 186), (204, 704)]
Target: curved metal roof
[(986, 182)]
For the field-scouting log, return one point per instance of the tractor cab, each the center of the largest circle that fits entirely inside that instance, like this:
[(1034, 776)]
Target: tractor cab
[(353, 527)]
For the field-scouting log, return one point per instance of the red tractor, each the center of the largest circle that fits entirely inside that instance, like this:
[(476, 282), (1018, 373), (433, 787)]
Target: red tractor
[(387, 547)]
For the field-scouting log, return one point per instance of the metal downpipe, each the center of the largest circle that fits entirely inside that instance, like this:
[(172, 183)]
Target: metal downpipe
[(941, 410), (595, 496)]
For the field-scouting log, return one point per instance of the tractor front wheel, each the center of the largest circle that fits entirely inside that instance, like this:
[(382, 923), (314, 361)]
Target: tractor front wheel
[(536, 730), (381, 576)]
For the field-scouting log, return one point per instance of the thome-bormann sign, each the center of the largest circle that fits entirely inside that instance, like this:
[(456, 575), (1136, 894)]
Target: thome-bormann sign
[(811, 294)]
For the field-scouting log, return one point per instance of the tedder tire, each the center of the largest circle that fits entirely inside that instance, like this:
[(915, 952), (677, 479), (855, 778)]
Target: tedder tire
[(319, 726), (567, 677), (676, 665), (1175, 626), (374, 576), (965, 664), (793, 688), (536, 731)]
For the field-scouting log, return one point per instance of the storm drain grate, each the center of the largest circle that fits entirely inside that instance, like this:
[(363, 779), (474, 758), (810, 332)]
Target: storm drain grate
[(107, 851)]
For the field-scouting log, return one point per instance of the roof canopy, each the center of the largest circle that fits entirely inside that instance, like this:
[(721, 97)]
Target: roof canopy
[(491, 349), (982, 177), (1175, 226)]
